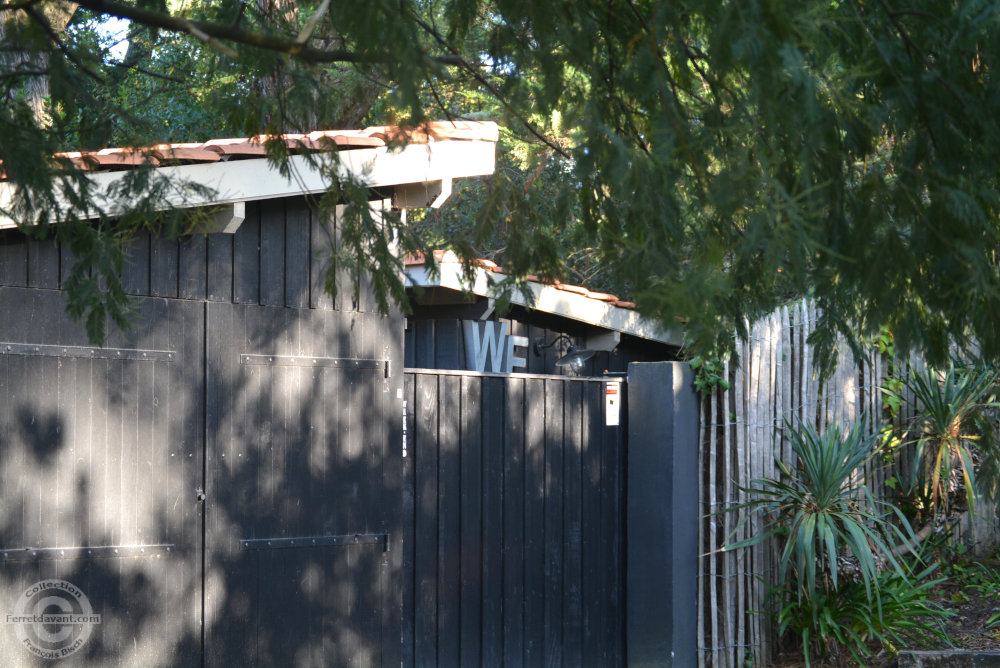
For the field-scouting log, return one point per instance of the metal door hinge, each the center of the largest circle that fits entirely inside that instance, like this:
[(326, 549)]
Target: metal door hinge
[(343, 540)]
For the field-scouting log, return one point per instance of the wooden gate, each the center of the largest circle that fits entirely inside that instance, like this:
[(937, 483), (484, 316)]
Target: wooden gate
[(231, 505), (223, 483), (100, 462), (513, 548), (303, 496)]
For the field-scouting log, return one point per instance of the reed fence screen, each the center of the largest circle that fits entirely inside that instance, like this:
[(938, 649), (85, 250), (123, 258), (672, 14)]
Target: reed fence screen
[(774, 383)]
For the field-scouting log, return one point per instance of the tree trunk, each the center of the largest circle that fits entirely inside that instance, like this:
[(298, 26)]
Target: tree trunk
[(35, 82)]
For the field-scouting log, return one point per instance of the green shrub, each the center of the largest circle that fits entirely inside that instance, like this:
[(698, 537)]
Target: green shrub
[(821, 509), (903, 614), (953, 420)]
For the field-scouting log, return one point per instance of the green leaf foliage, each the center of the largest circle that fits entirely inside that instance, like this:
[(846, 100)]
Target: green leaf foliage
[(954, 418), (904, 615), (714, 158), (821, 509)]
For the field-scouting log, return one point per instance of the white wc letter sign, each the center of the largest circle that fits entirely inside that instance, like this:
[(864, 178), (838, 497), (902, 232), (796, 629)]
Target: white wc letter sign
[(490, 340)]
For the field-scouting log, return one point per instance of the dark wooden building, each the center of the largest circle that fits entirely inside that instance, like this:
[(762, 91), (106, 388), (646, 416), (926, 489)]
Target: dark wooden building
[(221, 485), (249, 476), (556, 318)]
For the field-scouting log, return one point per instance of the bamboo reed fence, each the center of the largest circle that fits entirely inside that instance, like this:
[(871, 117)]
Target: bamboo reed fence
[(773, 384)]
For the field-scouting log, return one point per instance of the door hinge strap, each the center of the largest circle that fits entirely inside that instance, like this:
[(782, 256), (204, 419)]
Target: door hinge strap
[(86, 352), (316, 541), (87, 552), (309, 361)]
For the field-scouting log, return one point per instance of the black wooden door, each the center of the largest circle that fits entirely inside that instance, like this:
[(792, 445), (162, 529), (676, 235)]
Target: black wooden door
[(302, 488), (100, 462)]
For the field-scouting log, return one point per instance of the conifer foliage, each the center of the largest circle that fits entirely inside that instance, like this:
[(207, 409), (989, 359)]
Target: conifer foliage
[(716, 158)]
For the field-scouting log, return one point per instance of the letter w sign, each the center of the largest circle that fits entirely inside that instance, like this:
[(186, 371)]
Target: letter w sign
[(489, 340)]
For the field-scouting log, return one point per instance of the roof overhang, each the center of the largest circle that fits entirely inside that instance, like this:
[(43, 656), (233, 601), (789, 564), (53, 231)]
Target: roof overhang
[(546, 299), (237, 181)]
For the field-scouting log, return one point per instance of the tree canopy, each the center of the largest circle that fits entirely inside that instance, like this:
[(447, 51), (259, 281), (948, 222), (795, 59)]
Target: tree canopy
[(714, 158)]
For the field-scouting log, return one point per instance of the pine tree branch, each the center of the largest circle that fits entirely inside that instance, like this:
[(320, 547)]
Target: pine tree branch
[(476, 74), (148, 73), (233, 33), (310, 27), (910, 44)]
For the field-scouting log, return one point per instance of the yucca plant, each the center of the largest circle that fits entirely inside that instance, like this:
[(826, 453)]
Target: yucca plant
[(822, 509), (951, 422)]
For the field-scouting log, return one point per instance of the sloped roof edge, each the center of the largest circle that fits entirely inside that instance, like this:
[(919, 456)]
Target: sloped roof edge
[(236, 170), (568, 301)]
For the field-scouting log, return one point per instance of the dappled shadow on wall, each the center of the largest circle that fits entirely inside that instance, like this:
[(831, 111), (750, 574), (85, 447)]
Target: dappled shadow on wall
[(150, 475)]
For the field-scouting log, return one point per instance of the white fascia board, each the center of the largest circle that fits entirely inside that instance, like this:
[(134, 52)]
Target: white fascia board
[(257, 179), (549, 299)]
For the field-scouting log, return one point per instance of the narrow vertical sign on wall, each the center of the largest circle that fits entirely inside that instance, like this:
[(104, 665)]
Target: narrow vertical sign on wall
[(612, 403), (490, 340)]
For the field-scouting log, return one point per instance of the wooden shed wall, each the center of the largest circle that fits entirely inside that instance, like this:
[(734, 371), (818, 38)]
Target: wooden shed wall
[(278, 257), (118, 462)]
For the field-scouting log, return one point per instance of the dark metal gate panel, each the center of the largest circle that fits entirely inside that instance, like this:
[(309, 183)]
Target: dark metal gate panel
[(303, 488), (515, 542), (100, 459)]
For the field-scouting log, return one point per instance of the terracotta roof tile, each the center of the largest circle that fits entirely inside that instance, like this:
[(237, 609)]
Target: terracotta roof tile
[(236, 147), (359, 138), (438, 131), (232, 148), (184, 153), (602, 296), (122, 157), (575, 289), (77, 160)]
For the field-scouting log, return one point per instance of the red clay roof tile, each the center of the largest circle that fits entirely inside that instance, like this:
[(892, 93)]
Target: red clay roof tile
[(77, 160), (438, 131), (236, 147), (122, 157), (358, 138), (215, 150), (173, 153), (602, 296)]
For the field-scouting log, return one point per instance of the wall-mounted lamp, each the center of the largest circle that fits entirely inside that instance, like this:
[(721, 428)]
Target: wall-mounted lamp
[(574, 357)]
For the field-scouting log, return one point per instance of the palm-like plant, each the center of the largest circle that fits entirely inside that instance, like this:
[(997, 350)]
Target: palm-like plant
[(952, 407), (822, 509), (905, 615)]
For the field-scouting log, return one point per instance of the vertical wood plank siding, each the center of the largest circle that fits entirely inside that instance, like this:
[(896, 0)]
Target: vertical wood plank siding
[(515, 538), (301, 451), (742, 431), (185, 454), (278, 257), (98, 451)]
